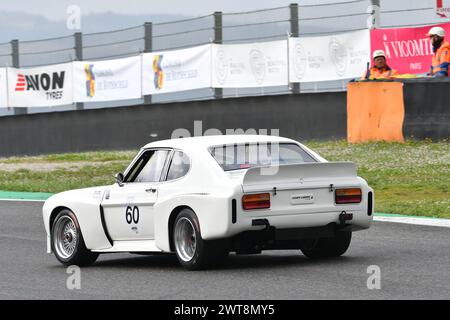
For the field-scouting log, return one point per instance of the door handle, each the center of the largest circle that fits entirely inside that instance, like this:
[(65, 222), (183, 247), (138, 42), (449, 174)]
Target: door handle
[(152, 190)]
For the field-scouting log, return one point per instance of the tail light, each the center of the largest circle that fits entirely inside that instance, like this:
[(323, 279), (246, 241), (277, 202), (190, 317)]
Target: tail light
[(343, 196), (256, 201)]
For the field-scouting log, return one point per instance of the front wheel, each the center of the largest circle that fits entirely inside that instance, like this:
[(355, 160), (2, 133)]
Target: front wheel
[(327, 247), (192, 251), (67, 241)]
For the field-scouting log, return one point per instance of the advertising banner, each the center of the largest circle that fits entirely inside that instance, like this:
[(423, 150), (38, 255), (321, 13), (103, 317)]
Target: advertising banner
[(250, 65), (408, 50), (3, 88), (443, 8), (41, 86), (107, 80), (176, 70), (327, 58)]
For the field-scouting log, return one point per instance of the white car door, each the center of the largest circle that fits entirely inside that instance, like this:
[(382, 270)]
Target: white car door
[(128, 207)]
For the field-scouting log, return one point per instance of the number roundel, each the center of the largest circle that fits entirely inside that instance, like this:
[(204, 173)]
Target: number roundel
[(132, 215)]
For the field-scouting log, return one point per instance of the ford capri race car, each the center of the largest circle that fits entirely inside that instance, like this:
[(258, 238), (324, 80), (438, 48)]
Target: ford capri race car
[(204, 197)]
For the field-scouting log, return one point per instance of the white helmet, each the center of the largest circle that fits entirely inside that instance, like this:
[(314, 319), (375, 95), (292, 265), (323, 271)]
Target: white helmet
[(379, 53), (439, 31)]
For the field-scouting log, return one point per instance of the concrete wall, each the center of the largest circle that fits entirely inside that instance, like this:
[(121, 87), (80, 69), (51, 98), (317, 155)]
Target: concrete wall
[(303, 116), (427, 108)]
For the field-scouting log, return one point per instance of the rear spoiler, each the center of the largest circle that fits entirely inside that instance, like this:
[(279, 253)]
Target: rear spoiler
[(294, 173)]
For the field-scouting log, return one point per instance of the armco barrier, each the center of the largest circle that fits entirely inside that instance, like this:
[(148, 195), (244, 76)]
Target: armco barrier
[(301, 116)]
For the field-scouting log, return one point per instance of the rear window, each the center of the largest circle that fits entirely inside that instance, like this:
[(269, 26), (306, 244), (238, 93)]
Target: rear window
[(179, 166), (244, 156)]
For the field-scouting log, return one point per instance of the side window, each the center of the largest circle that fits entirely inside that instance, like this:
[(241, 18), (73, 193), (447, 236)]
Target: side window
[(131, 175), (151, 168), (179, 166)]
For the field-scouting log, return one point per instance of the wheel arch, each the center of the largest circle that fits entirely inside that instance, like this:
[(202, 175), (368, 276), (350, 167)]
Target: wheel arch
[(173, 215), (85, 206), (55, 211), (212, 212)]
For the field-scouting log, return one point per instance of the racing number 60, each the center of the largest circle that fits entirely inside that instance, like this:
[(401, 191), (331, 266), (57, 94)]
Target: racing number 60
[(132, 215)]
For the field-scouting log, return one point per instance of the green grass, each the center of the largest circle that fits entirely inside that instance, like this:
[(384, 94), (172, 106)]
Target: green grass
[(411, 178), (408, 178), (99, 170), (99, 156)]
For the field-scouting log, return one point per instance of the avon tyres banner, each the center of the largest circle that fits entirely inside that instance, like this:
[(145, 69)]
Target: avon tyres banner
[(250, 65), (40, 87), (326, 58), (176, 70), (107, 80), (3, 89), (408, 50)]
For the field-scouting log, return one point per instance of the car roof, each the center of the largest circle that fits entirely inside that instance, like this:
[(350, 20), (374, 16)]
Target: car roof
[(209, 141)]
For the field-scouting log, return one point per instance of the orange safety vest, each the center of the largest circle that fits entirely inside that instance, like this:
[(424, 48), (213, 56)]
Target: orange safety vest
[(375, 73), (441, 60)]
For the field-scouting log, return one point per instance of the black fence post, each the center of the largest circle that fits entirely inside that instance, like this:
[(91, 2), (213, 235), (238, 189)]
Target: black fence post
[(218, 38), (293, 9), (78, 36), (16, 64), (148, 47)]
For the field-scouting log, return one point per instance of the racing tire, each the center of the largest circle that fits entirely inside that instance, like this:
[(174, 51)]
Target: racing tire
[(327, 247), (68, 243), (192, 251)]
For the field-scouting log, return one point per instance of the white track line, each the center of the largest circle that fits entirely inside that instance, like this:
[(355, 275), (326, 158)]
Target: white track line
[(417, 221)]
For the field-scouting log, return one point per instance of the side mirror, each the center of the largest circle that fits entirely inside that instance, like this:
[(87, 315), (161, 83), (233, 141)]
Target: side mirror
[(119, 179)]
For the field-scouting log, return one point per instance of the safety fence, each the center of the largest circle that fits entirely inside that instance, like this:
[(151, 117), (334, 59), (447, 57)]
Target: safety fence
[(258, 26), (215, 66)]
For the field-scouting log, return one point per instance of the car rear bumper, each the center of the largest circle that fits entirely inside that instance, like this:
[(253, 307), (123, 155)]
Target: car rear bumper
[(359, 221), (271, 238)]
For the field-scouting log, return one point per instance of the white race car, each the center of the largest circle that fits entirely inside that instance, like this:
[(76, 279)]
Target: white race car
[(204, 197)]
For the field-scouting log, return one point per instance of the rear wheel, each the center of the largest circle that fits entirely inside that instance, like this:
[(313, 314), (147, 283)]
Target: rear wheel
[(327, 247), (192, 251), (67, 241)]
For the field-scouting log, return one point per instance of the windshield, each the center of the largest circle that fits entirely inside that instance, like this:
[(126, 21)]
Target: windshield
[(244, 156)]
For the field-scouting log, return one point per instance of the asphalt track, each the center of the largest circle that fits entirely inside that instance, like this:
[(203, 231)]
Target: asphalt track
[(414, 262)]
